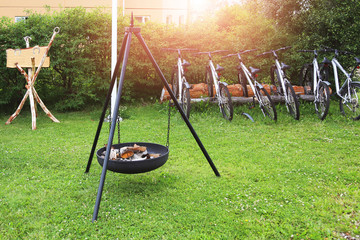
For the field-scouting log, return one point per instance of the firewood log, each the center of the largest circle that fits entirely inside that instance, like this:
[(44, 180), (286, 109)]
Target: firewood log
[(235, 90), (200, 90)]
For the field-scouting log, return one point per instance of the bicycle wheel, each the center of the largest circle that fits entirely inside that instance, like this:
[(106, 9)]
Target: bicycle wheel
[(292, 103), (225, 103), (209, 82), (266, 104), (243, 82), (185, 101), (351, 108), (175, 82), (277, 82), (308, 80), (322, 104), (324, 72)]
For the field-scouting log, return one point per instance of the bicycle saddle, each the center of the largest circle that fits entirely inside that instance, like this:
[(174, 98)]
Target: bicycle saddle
[(254, 70), (284, 66), (219, 68), (326, 61), (185, 63)]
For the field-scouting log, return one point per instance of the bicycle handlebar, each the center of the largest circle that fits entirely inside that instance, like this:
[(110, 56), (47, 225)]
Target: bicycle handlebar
[(209, 53), (274, 51), (307, 50), (230, 55), (236, 54), (337, 52), (179, 49), (216, 51)]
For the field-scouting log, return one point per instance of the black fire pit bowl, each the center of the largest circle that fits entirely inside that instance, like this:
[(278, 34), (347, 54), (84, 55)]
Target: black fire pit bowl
[(141, 166)]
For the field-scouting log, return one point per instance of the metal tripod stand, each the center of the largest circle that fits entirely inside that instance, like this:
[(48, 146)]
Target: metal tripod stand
[(123, 56)]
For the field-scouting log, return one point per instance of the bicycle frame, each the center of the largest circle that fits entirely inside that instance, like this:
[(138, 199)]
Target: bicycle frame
[(335, 63), (250, 80), (181, 75), (317, 79), (281, 75), (215, 78)]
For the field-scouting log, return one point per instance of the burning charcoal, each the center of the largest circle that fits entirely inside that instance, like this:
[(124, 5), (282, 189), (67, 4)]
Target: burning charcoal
[(130, 153)]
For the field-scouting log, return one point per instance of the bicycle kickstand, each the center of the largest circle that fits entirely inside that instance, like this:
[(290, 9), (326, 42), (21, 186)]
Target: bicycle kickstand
[(253, 103)]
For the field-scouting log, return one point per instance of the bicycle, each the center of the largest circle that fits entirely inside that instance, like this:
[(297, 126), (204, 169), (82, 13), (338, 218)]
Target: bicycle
[(283, 85), (315, 78), (180, 86), (349, 92), (245, 76), (212, 78)]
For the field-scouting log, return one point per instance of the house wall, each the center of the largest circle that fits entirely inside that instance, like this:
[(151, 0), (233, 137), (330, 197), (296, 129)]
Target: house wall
[(156, 10)]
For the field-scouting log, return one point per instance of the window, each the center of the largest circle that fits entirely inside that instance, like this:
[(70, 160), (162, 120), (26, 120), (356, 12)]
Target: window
[(19, 19), (169, 19), (142, 19)]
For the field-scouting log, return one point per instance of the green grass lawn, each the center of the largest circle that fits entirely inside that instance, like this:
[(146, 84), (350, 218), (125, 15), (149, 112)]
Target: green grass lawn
[(285, 180)]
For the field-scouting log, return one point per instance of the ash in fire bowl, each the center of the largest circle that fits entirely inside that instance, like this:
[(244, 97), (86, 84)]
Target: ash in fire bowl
[(130, 153)]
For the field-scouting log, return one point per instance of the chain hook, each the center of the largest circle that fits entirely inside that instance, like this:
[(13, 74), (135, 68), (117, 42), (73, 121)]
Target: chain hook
[(168, 130), (38, 48), (17, 50)]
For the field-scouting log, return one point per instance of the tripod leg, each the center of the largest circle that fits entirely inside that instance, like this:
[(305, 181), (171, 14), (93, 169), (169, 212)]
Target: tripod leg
[(16, 113), (158, 70), (48, 113), (101, 121), (112, 129), (32, 108)]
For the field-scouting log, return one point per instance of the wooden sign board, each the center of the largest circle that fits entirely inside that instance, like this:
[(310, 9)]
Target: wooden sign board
[(23, 57)]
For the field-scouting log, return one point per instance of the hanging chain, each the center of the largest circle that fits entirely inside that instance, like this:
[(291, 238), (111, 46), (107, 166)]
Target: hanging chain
[(168, 131), (118, 126), (110, 118)]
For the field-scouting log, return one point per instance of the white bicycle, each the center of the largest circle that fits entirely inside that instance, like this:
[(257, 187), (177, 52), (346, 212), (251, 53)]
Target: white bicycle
[(283, 85), (349, 92), (248, 76), (180, 86), (221, 91), (315, 77)]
